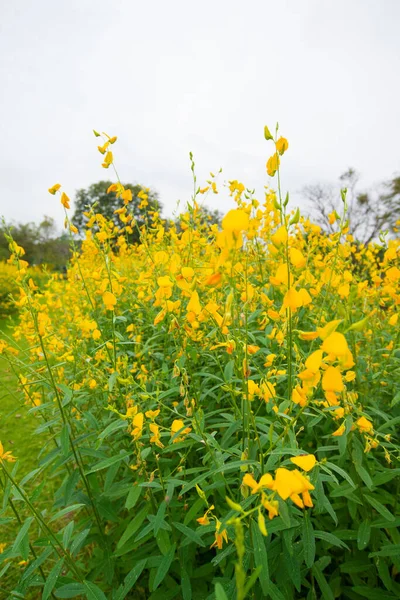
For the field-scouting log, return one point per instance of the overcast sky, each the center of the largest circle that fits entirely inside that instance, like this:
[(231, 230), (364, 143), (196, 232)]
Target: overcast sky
[(178, 76)]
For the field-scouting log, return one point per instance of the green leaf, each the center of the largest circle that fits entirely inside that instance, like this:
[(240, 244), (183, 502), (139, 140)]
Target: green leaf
[(382, 510), (330, 538), (108, 462), (228, 371), (78, 541), (252, 579), (159, 517), (189, 533), (111, 380), (67, 534), (70, 590), (133, 526), (64, 439), (163, 541), (20, 545), (52, 579), (133, 497), (164, 567), (308, 538), (112, 427), (390, 550), (260, 557), (65, 511), (395, 400), (340, 472), (326, 591), (220, 593), (363, 534), (185, 585), (371, 594), (93, 592), (131, 579)]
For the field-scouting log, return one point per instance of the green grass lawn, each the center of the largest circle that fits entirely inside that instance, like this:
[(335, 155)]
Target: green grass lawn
[(16, 425), (17, 433)]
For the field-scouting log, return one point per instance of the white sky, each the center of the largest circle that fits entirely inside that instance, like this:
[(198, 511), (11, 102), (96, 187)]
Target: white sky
[(178, 76)]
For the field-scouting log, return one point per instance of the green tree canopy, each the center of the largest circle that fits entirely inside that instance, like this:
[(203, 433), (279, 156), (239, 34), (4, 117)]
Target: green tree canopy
[(42, 243), (96, 196)]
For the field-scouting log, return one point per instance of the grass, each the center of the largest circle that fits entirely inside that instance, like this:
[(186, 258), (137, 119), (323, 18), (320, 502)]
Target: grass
[(16, 425)]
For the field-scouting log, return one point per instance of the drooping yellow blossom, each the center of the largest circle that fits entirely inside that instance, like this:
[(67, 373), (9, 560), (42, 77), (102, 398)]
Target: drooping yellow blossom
[(155, 437), (65, 200), (219, 537), (137, 423)]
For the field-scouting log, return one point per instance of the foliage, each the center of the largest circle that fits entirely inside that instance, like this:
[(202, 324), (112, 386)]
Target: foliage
[(106, 202), (368, 213), (221, 409), (42, 244)]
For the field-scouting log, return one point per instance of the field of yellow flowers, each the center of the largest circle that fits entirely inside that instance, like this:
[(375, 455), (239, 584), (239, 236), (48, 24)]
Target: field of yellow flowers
[(220, 408)]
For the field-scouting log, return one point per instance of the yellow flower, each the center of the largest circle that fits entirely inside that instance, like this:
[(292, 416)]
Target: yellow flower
[(292, 299), (65, 200), (178, 426), (109, 300), (219, 537), (335, 344), (137, 423), (339, 431), (364, 425), (194, 304), (6, 456), (313, 362), (272, 165), (289, 484), (280, 236), (187, 272), (282, 145), (332, 380), (296, 258), (155, 438), (164, 281), (54, 188), (305, 461), (266, 481), (235, 220), (152, 414)]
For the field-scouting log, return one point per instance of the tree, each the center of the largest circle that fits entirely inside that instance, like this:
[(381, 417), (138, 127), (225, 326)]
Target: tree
[(96, 196), (368, 212), (41, 243)]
